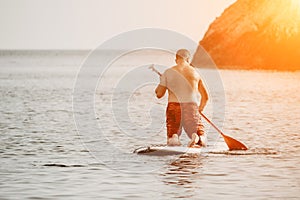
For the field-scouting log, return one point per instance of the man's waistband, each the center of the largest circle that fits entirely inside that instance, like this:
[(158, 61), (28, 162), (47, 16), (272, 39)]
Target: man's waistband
[(182, 103)]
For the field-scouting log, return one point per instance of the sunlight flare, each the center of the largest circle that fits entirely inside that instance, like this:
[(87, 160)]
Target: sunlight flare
[(296, 3)]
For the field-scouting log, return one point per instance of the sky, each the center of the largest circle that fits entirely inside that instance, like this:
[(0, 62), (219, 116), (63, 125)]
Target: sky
[(85, 24)]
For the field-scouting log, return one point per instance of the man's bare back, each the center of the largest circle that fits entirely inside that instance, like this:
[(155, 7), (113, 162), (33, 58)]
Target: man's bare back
[(183, 84)]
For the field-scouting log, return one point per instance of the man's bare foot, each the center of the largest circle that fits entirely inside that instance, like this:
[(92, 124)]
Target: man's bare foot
[(174, 141), (203, 140), (195, 139)]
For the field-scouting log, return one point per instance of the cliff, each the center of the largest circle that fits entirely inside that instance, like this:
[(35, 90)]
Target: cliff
[(256, 34)]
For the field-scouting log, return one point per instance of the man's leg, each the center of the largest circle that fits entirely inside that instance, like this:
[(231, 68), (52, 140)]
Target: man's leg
[(174, 127), (192, 124)]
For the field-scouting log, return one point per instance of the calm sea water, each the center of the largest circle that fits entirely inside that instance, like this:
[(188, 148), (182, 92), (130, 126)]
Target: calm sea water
[(43, 156)]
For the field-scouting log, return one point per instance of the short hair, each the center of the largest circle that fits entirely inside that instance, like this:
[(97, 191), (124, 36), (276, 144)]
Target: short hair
[(184, 54)]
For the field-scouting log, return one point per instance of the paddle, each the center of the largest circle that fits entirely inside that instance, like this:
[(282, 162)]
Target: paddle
[(232, 143)]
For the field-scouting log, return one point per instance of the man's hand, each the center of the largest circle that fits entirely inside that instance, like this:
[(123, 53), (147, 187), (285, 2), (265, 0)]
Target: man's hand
[(160, 91)]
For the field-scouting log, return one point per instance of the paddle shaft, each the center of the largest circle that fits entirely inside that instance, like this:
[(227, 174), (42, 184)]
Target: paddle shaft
[(212, 124)]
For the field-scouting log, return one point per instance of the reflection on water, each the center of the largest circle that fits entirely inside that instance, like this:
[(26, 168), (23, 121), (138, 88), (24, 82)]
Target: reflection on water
[(254, 151), (183, 170), (184, 176), (181, 176)]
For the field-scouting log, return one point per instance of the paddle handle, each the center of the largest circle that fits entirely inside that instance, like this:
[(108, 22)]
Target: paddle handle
[(212, 124), (155, 70)]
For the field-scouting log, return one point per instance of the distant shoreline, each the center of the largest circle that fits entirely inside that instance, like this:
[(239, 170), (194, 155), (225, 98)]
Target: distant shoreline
[(85, 52)]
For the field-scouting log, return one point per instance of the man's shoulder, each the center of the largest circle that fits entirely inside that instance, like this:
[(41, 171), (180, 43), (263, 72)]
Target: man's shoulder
[(195, 72), (171, 69)]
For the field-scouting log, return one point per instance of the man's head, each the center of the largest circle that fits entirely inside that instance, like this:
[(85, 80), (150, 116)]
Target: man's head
[(183, 54)]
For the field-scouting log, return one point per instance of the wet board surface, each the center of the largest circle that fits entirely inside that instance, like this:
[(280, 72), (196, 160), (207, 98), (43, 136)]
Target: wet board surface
[(169, 150), (163, 150)]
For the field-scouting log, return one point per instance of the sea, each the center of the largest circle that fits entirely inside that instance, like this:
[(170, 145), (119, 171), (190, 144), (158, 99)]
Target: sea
[(71, 120)]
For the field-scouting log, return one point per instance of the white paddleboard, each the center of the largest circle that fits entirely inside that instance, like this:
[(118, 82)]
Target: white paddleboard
[(169, 150)]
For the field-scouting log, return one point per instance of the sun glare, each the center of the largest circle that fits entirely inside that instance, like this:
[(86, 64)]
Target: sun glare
[(296, 3), (295, 15)]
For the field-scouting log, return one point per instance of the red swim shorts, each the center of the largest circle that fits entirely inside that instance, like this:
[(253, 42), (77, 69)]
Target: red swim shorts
[(184, 115)]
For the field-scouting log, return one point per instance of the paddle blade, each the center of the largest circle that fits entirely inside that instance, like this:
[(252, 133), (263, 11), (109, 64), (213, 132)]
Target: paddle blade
[(233, 144)]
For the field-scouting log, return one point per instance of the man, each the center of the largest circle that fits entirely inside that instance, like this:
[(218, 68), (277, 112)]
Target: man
[(183, 84)]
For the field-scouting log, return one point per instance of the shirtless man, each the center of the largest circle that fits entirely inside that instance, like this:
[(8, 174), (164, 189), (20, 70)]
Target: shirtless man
[(184, 85)]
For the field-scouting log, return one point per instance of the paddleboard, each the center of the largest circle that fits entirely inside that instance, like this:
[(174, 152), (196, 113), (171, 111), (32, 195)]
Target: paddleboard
[(168, 150)]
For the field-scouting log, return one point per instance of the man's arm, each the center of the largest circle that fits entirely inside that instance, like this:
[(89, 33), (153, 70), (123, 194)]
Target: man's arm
[(161, 88), (204, 95), (160, 91)]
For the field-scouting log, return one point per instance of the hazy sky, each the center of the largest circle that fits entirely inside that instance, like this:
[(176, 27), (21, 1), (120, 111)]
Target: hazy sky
[(84, 24)]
